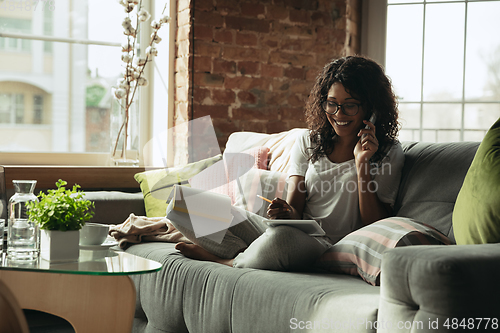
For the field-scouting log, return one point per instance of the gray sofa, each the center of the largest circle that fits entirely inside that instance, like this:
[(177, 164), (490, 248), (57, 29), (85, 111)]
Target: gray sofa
[(423, 288)]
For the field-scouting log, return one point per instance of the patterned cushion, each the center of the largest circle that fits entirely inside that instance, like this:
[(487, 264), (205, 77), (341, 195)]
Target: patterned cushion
[(156, 185), (360, 252)]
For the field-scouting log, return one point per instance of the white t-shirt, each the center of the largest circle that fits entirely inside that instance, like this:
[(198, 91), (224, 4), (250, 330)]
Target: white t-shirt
[(332, 188)]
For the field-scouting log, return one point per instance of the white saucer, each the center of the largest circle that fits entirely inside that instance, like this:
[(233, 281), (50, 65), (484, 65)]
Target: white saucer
[(109, 242)]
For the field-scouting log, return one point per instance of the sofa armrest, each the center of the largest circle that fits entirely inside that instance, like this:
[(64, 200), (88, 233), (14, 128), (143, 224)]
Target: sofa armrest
[(432, 285)]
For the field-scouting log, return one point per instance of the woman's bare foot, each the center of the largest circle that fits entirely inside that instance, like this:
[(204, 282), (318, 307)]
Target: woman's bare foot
[(194, 251)]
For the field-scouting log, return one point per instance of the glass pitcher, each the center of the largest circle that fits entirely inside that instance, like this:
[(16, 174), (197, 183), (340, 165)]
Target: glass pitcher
[(23, 235)]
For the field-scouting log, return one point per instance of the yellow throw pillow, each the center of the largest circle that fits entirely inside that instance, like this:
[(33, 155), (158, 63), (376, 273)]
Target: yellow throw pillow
[(156, 185), (476, 215)]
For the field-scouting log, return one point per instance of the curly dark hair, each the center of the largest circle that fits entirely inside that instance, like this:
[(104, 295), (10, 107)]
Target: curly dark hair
[(364, 80)]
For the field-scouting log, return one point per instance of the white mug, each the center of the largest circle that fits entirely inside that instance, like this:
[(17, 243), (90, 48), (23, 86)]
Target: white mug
[(93, 233)]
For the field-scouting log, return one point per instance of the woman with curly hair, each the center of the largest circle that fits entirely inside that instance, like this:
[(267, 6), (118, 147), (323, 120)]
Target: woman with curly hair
[(344, 171)]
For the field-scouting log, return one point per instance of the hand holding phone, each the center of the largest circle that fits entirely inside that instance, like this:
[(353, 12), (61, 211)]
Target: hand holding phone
[(372, 120)]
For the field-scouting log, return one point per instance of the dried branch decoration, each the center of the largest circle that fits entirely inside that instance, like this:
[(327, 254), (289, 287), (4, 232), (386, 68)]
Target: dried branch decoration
[(134, 65)]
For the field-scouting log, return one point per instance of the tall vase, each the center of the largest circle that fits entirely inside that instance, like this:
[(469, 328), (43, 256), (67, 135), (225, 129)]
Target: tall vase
[(23, 235), (125, 129)]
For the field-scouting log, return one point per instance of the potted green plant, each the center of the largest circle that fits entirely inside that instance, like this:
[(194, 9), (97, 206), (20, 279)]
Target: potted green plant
[(60, 214)]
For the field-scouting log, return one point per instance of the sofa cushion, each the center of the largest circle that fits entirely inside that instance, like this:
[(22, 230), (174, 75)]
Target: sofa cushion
[(156, 185), (432, 176), (476, 217), (198, 296), (360, 252)]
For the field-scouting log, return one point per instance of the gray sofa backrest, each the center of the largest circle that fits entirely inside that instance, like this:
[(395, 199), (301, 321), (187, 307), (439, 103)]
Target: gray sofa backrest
[(114, 207), (433, 174)]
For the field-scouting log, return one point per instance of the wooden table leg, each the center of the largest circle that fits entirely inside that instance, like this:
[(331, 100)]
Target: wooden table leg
[(91, 303)]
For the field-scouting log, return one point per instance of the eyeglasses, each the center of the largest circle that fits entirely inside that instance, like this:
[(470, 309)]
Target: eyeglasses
[(349, 109)]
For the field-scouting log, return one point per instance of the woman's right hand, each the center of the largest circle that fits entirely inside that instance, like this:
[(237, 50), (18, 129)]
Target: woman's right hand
[(279, 209)]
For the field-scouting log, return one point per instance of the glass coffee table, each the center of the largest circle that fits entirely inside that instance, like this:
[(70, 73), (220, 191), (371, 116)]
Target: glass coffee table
[(94, 294)]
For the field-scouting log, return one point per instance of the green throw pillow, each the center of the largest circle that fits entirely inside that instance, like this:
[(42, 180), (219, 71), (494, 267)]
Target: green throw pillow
[(156, 185), (476, 216)]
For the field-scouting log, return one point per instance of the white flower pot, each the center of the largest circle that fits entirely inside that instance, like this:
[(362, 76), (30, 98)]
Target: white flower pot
[(58, 245)]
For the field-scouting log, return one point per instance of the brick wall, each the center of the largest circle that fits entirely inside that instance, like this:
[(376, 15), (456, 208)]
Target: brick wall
[(251, 64)]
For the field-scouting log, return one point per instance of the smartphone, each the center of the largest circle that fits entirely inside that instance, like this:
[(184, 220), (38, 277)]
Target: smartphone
[(372, 119)]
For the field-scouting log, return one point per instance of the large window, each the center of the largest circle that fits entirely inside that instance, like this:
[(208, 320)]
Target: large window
[(444, 61), (60, 60)]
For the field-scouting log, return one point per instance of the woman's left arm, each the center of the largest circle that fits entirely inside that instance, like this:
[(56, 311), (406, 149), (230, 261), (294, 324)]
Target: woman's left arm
[(370, 206)]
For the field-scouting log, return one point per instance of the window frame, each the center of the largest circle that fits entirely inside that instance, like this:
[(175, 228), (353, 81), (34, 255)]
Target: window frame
[(146, 98), (373, 44)]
